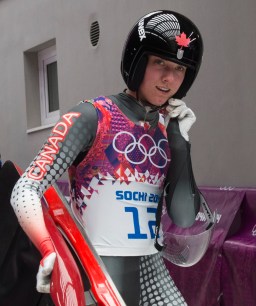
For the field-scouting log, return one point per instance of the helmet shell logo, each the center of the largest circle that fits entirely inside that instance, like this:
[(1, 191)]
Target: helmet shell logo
[(183, 41), (141, 29)]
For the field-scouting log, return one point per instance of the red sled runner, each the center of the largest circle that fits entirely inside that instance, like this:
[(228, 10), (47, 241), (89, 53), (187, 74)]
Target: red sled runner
[(79, 276)]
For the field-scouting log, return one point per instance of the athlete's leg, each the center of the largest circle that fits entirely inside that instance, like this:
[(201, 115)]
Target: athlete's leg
[(125, 273), (143, 281), (157, 287)]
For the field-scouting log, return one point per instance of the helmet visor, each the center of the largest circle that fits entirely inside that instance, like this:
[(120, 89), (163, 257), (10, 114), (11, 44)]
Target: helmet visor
[(185, 247)]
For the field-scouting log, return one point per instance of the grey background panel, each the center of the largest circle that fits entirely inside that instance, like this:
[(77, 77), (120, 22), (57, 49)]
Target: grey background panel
[(223, 95)]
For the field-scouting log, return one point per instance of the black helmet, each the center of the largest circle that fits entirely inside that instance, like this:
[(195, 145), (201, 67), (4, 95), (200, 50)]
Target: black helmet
[(166, 34)]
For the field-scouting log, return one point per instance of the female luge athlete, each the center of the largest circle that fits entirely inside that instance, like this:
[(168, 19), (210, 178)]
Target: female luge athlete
[(117, 154)]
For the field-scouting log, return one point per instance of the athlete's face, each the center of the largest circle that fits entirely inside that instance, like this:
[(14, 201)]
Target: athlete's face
[(161, 81)]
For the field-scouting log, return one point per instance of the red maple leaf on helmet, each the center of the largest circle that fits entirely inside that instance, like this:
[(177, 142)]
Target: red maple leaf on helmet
[(182, 40)]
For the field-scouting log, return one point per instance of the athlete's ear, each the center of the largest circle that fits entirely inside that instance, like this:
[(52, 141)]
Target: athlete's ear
[(136, 78)]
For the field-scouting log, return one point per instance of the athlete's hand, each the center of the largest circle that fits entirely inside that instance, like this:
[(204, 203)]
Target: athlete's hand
[(178, 109), (44, 273)]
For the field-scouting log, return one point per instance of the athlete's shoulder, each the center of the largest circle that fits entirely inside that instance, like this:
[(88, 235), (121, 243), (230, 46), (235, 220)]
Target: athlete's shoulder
[(100, 100)]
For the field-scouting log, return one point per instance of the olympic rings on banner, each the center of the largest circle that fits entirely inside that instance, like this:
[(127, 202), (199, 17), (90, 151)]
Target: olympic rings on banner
[(149, 152)]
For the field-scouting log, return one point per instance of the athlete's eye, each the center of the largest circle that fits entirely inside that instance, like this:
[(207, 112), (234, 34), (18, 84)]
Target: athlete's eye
[(159, 61), (181, 68)]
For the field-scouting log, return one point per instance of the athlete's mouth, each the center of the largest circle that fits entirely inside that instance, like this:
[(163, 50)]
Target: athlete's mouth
[(163, 89)]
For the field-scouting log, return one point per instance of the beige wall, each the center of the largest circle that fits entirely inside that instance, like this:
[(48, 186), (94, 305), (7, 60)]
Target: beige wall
[(223, 96)]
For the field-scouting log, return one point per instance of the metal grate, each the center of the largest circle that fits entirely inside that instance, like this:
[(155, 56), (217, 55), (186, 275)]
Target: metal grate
[(95, 33)]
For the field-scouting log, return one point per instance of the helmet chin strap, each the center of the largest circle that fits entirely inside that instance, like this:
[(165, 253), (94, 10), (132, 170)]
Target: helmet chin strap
[(147, 104)]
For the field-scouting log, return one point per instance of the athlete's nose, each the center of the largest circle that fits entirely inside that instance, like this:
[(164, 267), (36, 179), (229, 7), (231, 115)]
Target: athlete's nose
[(168, 75)]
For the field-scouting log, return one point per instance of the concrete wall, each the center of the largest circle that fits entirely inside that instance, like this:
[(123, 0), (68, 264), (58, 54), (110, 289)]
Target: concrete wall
[(223, 96)]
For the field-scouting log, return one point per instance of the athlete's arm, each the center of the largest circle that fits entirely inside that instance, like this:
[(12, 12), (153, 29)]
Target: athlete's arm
[(73, 133)]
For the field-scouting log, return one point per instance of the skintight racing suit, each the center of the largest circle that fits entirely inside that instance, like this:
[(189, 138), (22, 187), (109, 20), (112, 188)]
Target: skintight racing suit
[(117, 156)]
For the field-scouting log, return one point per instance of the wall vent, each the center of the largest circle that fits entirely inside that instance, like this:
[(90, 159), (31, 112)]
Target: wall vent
[(95, 33)]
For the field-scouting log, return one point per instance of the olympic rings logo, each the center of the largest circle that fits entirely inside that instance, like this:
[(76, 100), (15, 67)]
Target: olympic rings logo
[(153, 150)]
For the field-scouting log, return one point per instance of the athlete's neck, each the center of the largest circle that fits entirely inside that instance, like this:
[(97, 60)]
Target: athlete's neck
[(148, 106)]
